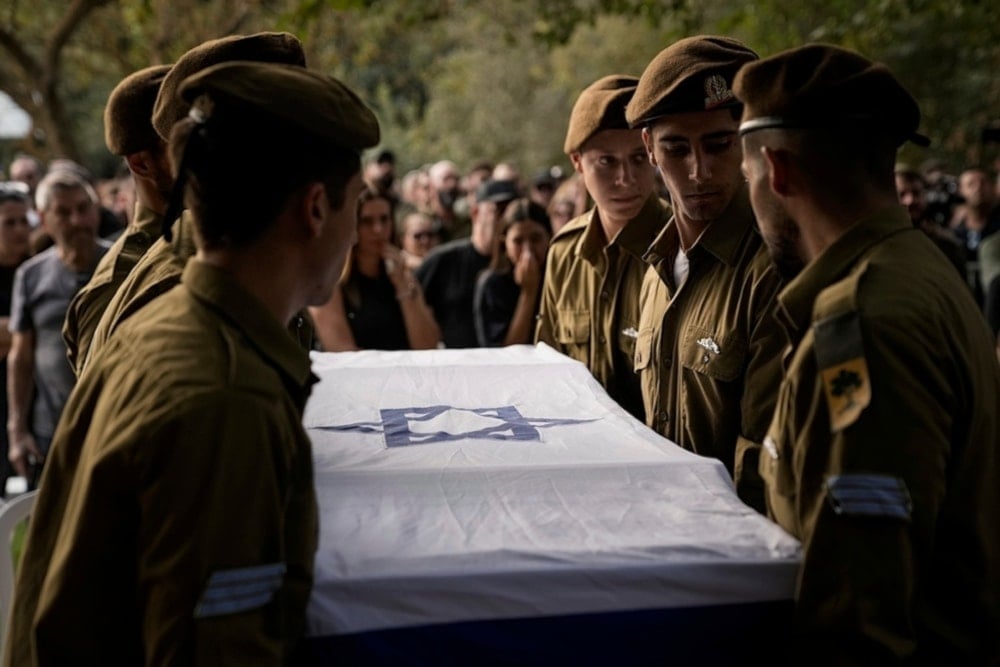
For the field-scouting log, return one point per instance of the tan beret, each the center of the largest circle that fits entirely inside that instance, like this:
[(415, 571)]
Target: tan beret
[(601, 106), (271, 47), (128, 124), (693, 74), (296, 97), (820, 85)]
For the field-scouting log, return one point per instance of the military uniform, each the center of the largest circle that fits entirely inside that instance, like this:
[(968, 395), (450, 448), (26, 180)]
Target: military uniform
[(590, 300), (708, 354), (156, 272), (92, 300), (189, 430), (882, 456)]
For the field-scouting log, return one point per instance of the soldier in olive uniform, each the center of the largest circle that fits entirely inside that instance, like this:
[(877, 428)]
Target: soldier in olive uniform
[(883, 453), (190, 527), (590, 295), (160, 268), (128, 132), (708, 354)]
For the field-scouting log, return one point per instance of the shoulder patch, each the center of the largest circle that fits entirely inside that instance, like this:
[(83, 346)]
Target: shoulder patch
[(840, 352), (869, 495)]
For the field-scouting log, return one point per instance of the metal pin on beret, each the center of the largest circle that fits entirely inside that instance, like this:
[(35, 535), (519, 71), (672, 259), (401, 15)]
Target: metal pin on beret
[(273, 47), (820, 85), (294, 96), (601, 106), (692, 74), (128, 125)]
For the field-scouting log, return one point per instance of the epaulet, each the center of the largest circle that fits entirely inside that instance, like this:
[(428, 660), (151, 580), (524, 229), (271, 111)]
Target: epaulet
[(840, 351)]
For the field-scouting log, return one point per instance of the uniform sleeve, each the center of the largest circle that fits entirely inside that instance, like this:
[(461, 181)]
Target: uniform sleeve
[(546, 327), (869, 497), (214, 510), (763, 379), (214, 517)]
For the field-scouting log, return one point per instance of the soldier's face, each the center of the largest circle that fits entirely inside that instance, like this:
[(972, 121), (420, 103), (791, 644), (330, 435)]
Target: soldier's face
[(617, 173), (778, 229), (698, 155)]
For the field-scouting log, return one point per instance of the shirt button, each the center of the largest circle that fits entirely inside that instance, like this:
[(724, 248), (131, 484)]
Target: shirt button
[(662, 417), (604, 295), (603, 340)]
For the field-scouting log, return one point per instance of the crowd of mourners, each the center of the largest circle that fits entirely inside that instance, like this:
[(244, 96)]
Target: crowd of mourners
[(723, 249)]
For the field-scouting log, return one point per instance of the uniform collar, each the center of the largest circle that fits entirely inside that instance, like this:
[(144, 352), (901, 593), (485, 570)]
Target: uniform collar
[(723, 238), (835, 262), (220, 292), (147, 220), (634, 236)]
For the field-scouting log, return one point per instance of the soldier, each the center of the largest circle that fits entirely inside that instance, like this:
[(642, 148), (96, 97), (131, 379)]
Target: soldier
[(882, 455), (159, 269), (708, 353), (191, 526), (128, 132), (590, 295)]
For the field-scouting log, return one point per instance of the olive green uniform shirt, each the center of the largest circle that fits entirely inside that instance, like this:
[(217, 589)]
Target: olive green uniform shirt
[(90, 302), (177, 522), (709, 350), (156, 272), (590, 298), (884, 454)]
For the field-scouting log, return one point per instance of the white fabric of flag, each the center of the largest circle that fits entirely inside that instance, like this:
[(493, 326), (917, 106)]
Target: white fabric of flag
[(459, 485)]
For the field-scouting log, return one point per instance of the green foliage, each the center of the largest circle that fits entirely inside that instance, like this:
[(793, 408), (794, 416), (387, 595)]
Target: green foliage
[(496, 79)]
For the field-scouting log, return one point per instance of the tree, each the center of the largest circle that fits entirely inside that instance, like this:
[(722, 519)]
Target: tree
[(32, 75)]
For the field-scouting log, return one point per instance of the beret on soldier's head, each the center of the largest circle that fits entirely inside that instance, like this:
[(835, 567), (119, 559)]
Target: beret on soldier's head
[(601, 106), (819, 85), (128, 115), (269, 47), (296, 98), (693, 74)]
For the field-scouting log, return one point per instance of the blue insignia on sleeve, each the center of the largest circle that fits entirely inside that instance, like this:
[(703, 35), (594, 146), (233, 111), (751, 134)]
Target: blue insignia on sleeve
[(869, 495), (240, 589)]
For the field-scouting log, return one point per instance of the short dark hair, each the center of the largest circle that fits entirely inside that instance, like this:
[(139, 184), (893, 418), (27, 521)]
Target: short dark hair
[(242, 166)]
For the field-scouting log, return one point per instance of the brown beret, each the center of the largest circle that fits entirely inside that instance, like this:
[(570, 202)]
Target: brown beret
[(128, 125), (693, 74), (269, 47), (296, 97), (601, 106), (820, 85)]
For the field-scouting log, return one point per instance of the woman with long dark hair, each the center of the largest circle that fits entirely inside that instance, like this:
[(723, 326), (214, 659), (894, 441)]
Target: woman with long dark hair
[(509, 290), (378, 303)]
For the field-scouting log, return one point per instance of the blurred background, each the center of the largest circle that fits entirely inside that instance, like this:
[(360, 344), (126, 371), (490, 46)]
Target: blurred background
[(481, 80)]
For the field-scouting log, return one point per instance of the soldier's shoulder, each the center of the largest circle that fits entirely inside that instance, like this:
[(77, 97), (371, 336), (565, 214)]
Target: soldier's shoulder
[(573, 229)]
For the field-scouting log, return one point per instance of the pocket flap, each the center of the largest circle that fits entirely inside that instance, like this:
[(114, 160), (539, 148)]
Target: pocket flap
[(709, 353)]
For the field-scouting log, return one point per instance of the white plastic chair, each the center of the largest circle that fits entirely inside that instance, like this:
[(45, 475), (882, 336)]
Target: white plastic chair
[(12, 513)]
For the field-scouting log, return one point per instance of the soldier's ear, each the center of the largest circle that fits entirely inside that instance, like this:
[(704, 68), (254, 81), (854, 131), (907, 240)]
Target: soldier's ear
[(779, 169), (314, 208), (647, 141), (577, 161)]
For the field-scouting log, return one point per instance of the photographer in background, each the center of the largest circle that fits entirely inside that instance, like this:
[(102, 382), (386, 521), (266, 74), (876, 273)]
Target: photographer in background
[(941, 192)]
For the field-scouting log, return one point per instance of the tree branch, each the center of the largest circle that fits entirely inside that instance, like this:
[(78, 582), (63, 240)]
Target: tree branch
[(77, 12), (32, 68)]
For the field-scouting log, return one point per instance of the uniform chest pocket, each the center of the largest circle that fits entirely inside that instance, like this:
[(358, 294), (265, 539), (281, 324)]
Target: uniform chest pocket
[(573, 328), (708, 353)]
